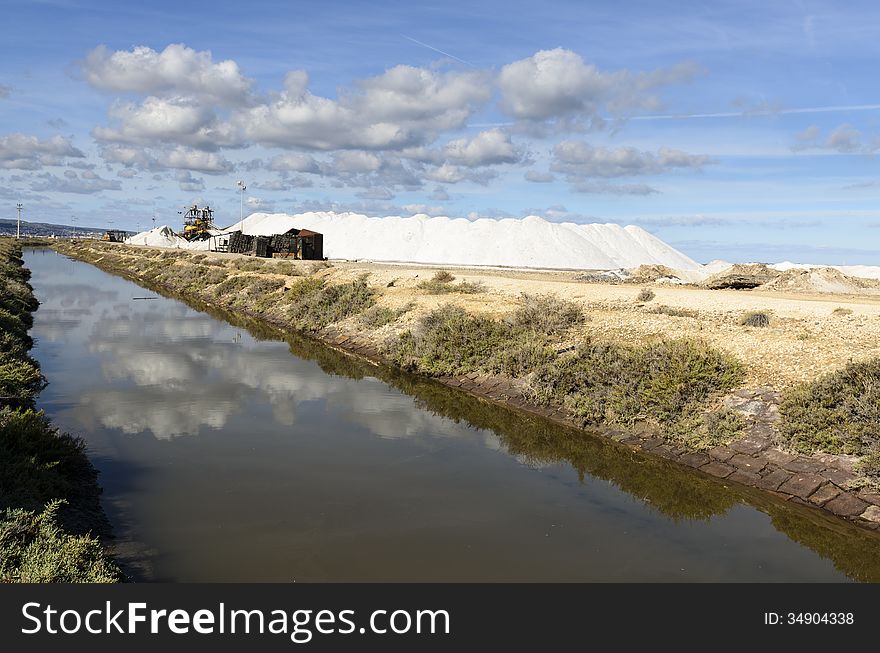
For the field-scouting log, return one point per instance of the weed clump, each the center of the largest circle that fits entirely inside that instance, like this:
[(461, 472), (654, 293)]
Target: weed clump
[(758, 319), (674, 311), (317, 266), (441, 284), (545, 314), (840, 310), (645, 295), (443, 276)]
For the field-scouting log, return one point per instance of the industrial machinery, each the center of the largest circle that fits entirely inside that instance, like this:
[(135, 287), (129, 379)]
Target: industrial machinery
[(114, 236), (198, 223)]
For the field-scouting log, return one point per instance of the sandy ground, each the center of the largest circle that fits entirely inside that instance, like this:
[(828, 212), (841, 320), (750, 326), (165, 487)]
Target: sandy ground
[(804, 340)]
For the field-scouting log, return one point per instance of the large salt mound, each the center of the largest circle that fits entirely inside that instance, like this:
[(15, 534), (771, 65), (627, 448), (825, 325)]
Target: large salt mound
[(528, 243), (164, 236)]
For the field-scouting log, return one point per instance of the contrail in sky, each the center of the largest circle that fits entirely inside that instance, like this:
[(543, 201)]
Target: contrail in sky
[(431, 47)]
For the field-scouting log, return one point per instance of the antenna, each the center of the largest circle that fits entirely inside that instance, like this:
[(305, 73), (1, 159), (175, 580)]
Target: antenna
[(243, 188)]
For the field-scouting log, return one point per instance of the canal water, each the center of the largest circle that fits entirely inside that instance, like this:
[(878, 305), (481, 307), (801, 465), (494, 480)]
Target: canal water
[(229, 454)]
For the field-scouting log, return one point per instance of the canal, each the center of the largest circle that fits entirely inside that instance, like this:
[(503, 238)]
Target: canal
[(227, 453)]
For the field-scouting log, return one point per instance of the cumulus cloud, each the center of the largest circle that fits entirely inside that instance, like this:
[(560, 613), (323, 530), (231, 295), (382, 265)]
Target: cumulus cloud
[(176, 71), (85, 184), (439, 194), (556, 84), (606, 188), (578, 159), (285, 183), (187, 183), (537, 177), (294, 163), (172, 120), (404, 106), (22, 152), (453, 174), (844, 138), (184, 159), (486, 148)]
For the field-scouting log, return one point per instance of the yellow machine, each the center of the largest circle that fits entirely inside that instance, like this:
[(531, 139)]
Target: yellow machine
[(198, 222)]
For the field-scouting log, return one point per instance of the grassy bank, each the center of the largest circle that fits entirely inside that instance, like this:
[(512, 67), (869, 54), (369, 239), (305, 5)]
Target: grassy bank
[(49, 510)]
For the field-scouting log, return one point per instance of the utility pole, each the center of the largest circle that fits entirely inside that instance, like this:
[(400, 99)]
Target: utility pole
[(18, 224), (243, 188)]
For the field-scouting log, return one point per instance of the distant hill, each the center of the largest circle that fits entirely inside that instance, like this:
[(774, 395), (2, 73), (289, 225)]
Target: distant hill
[(7, 227)]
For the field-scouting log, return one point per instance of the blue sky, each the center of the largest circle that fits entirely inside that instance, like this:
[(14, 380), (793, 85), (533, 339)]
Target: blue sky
[(745, 131)]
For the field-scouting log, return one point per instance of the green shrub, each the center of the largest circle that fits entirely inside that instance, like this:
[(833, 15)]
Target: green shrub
[(674, 311), (20, 377), (37, 463), (545, 314), (661, 381), (434, 287), (233, 284), (378, 316), (645, 295), (442, 276), (758, 319), (34, 549), (842, 311), (869, 467), (288, 268), (448, 341), (315, 305), (837, 413), (317, 266), (250, 265)]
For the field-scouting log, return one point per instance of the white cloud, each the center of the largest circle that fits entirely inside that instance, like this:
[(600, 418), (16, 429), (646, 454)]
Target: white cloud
[(559, 83), (606, 188), (184, 159), (353, 162), (177, 70), (294, 163), (486, 148), (844, 138), (579, 159), (404, 106), (187, 183), (537, 177), (22, 152), (72, 183), (453, 174), (173, 120)]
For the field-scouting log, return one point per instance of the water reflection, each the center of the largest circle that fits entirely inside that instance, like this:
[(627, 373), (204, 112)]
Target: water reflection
[(229, 455)]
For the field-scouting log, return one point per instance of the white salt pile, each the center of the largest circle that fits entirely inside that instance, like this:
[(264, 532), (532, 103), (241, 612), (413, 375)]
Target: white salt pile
[(164, 236), (862, 271), (528, 243)]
